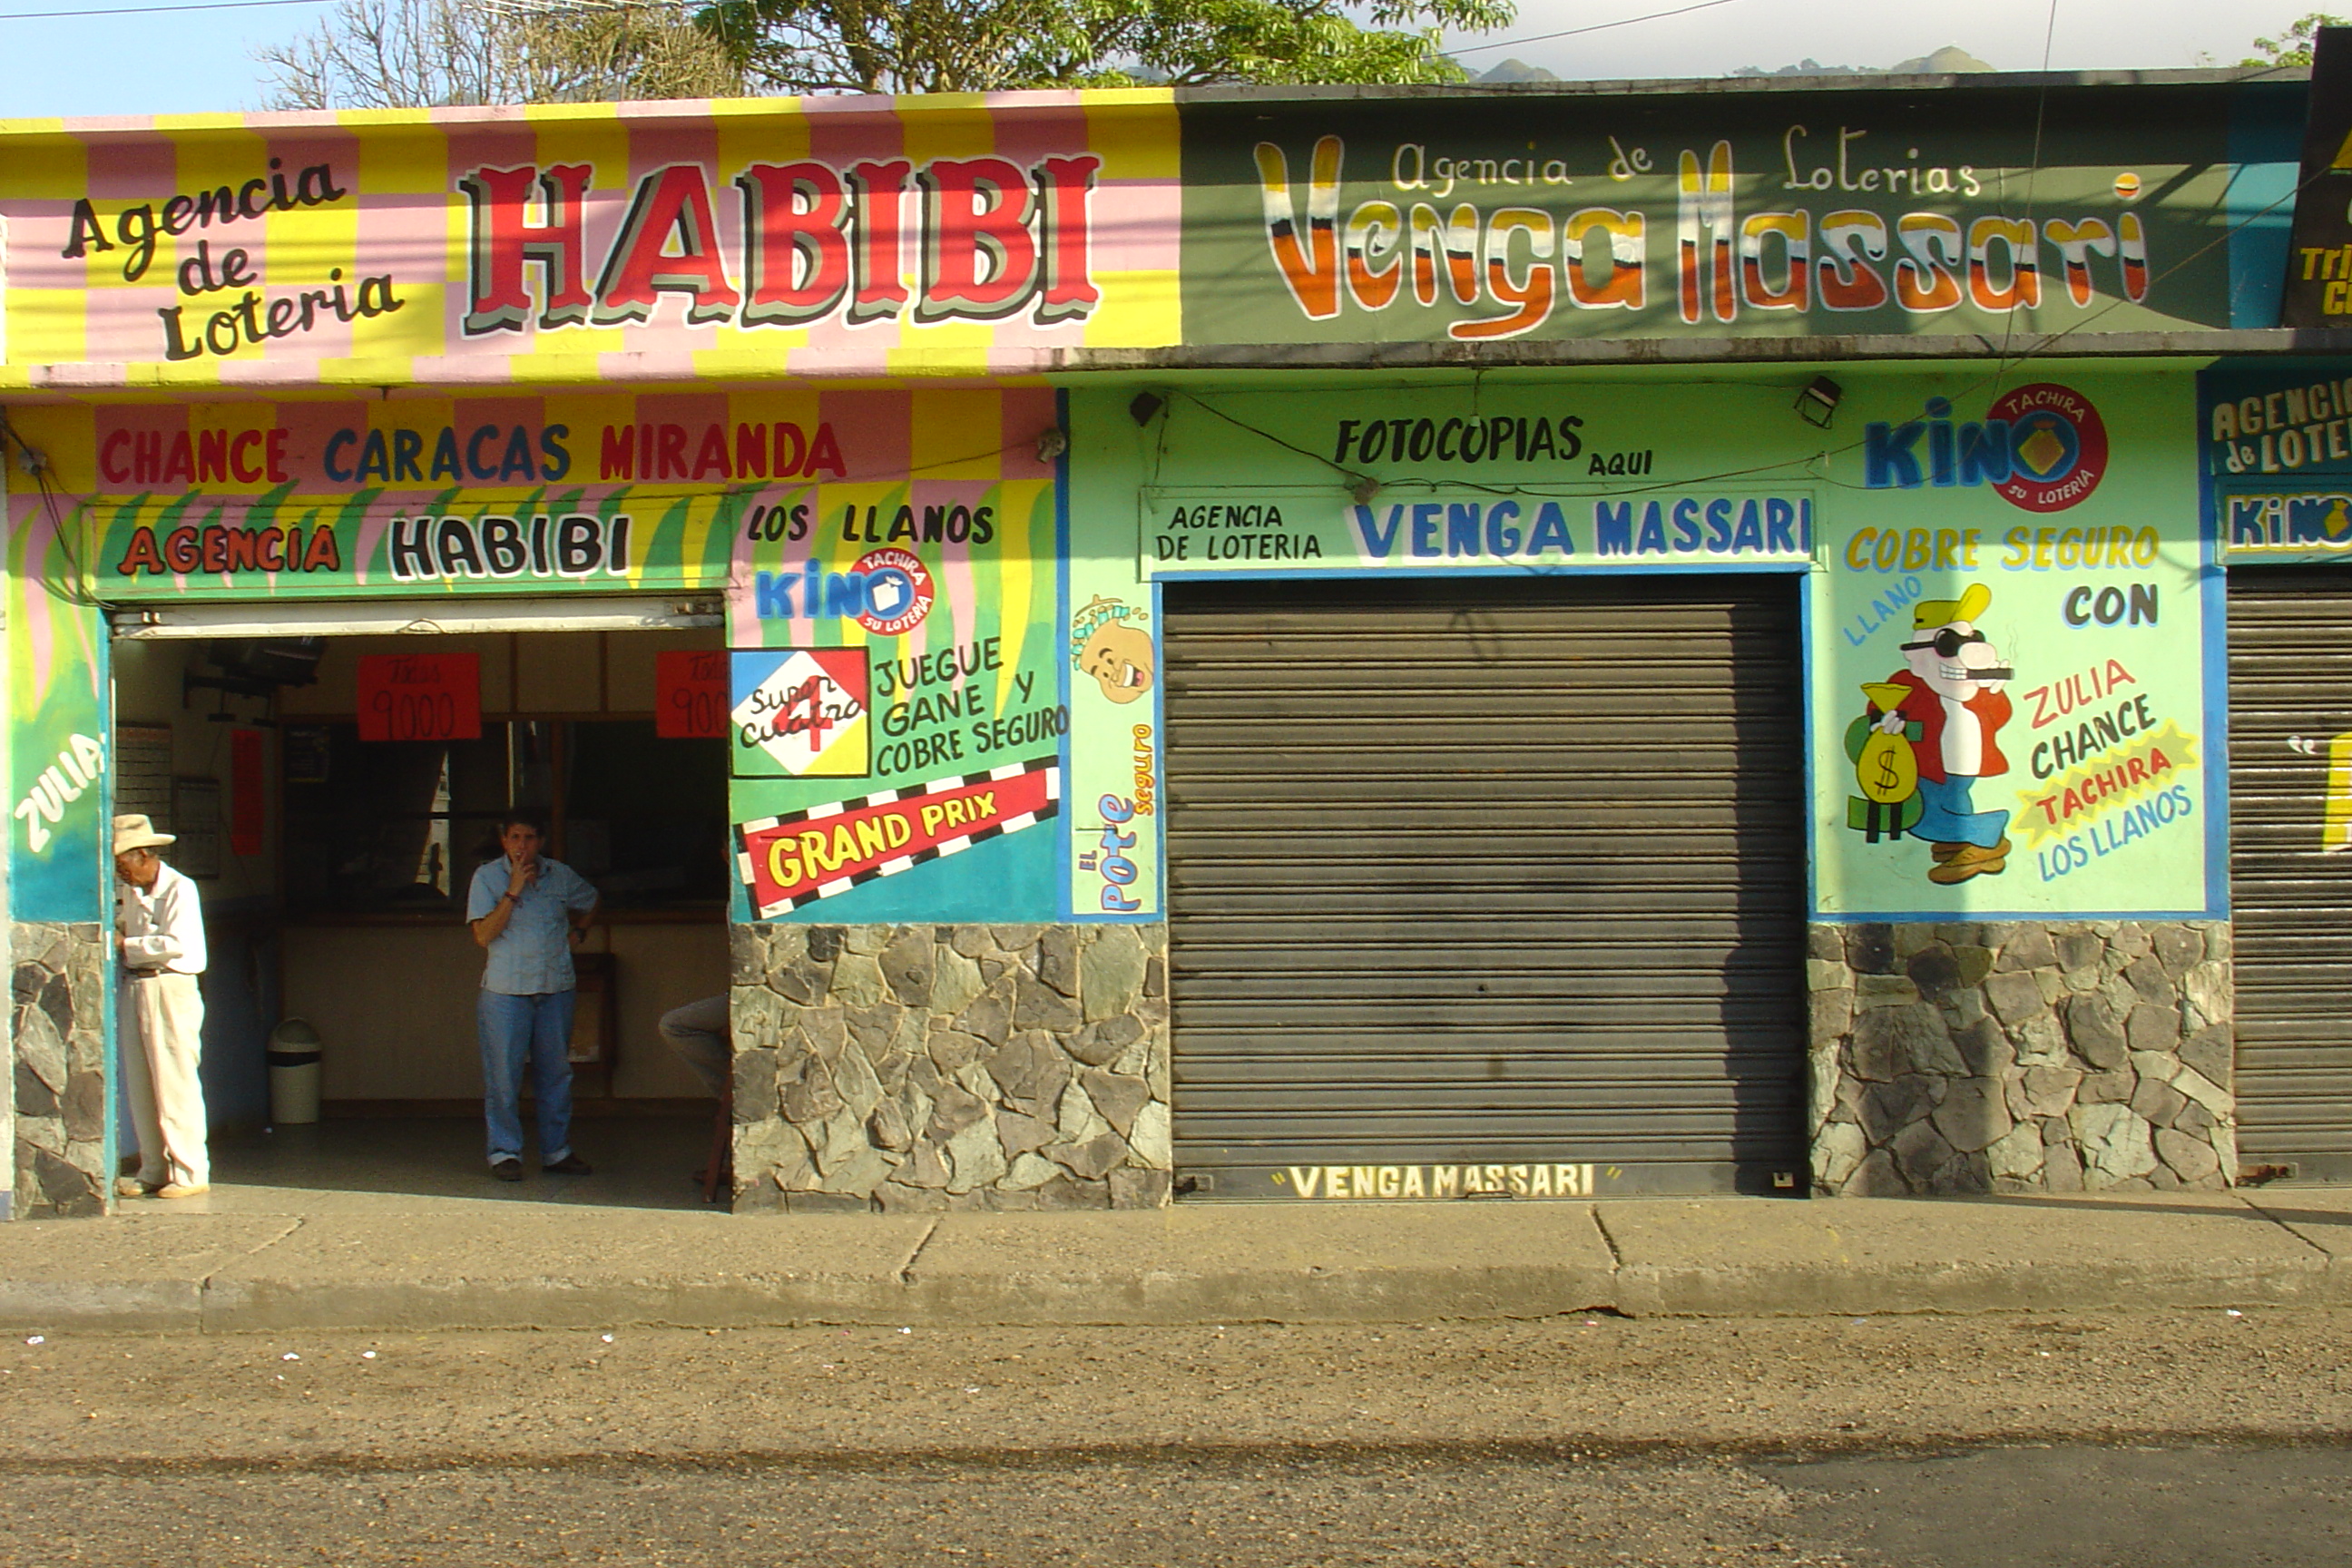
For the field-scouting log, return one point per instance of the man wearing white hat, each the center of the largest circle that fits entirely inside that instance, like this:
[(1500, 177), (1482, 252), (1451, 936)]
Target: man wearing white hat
[(160, 935)]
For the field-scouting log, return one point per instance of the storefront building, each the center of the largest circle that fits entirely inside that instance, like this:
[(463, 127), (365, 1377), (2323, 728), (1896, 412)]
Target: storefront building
[(2278, 476), (1298, 646)]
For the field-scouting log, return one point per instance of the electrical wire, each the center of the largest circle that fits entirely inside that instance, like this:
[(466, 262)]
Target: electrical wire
[(153, 10), (2032, 165), (1595, 27), (2005, 365), (38, 464)]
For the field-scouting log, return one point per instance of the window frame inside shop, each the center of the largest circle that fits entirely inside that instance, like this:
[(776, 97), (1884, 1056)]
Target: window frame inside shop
[(451, 834)]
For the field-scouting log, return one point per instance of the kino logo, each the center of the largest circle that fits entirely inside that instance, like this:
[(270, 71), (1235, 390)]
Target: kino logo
[(2043, 447)]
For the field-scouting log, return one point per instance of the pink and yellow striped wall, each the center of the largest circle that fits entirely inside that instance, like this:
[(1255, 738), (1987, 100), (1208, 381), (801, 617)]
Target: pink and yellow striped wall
[(669, 244)]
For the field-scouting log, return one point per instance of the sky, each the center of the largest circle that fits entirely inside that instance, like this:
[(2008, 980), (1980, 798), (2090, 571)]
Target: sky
[(191, 62)]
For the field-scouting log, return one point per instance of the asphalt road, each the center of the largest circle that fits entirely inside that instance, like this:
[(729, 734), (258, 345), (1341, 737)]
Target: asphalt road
[(2005, 1442)]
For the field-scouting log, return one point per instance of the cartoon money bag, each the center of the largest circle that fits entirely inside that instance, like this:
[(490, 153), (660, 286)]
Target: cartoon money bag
[(1884, 767), (1929, 734)]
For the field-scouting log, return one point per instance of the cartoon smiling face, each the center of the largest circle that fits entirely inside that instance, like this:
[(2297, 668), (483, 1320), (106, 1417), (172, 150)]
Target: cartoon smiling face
[(1118, 657), (1948, 654)]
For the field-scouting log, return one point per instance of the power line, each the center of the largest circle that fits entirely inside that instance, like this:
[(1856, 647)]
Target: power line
[(1596, 27), (152, 10)]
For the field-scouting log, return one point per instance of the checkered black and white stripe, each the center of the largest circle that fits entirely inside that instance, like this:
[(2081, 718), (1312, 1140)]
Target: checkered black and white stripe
[(1049, 766)]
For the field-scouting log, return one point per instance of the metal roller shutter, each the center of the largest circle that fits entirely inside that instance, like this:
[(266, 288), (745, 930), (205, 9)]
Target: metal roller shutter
[(1486, 874), (2290, 674)]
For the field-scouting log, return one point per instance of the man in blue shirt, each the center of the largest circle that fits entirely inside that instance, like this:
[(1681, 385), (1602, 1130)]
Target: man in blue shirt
[(527, 912)]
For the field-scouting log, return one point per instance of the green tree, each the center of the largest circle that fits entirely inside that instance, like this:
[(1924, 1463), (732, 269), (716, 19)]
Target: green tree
[(2292, 47), (993, 46), (423, 54)]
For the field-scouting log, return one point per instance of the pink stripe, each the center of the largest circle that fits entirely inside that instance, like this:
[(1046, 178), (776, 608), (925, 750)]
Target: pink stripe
[(875, 429), (1025, 413), (959, 584), (33, 526)]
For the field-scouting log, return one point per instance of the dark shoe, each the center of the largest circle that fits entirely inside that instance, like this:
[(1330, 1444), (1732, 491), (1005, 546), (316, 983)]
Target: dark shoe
[(506, 1170), (570, 1166)]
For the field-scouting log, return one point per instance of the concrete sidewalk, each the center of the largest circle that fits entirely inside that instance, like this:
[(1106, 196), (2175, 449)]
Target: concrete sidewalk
[(431, 1263)]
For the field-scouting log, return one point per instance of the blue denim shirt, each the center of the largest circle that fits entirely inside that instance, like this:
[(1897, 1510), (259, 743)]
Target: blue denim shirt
[(533, 955)]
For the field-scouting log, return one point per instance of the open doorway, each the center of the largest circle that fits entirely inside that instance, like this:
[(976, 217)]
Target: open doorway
[(334, 871)]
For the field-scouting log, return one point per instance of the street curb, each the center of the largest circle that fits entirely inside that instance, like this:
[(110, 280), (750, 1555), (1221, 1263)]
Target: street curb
[(197, 1273), (1015, 1299), (1648, 1292), (128, 1307)]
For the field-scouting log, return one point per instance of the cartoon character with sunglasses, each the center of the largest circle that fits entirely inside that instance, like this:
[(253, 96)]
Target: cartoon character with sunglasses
[(1952, 712)]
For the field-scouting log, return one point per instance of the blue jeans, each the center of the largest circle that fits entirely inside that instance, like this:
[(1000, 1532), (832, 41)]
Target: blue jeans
[(539, 1029), (1950, 816)]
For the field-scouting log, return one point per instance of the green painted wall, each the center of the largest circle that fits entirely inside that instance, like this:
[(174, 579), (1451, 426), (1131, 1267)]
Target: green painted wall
[(2046, 523)]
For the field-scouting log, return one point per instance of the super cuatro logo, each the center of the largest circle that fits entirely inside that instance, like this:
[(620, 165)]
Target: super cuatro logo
[(2043, 447)]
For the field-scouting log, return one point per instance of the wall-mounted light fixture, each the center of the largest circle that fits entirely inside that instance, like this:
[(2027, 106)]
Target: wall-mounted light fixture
[(1052, 442), (1146, 405), (1362, 489), (1818, 401)]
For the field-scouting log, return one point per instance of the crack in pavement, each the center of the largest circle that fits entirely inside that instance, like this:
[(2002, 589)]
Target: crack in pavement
[(906, 1269), (206, 1289), (2280, 1221), (1616, 1254)]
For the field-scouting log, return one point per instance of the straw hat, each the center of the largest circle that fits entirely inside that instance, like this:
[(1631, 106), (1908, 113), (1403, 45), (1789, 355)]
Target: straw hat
[(135, 832)]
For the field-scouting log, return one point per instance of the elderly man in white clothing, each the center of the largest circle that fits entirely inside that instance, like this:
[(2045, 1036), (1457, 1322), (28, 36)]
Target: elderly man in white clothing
[(160, 936)]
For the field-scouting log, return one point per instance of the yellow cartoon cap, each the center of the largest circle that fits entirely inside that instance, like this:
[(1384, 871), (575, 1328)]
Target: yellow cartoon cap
[(1929, 614)]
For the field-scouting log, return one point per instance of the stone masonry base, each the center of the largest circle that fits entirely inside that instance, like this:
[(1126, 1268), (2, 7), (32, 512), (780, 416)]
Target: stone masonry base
[(58, 1006), (965, 1067), (2062, 1057)]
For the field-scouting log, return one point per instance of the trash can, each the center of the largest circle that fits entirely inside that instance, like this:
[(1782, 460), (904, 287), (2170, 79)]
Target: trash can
[(293, 1073)]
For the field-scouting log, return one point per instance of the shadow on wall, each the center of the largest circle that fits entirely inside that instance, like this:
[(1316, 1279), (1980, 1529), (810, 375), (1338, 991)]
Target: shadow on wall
[(1764, 1020)]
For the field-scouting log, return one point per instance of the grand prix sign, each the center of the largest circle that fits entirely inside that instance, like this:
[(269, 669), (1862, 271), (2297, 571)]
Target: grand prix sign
[(794, 859)]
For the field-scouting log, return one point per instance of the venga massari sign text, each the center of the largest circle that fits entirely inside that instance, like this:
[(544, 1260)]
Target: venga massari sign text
[(991, 238), (1668, 213), (1490, 247)]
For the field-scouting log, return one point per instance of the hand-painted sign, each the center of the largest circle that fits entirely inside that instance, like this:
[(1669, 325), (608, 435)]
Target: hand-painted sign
[(2319, 247), (690, 696), (791, 860), (817, 241), (2042, 448), (1189, 535), (899, 631), (756, 241), (420, 697), (800, 712), (2011, 713), (486, 495), (2276, 442), (1540, 1179), (887, 560), (768, 241), (2006, 602), (1638, 217)]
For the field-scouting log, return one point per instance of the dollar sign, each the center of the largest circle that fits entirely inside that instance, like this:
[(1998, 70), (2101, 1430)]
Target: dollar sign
[(1887, 777)]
